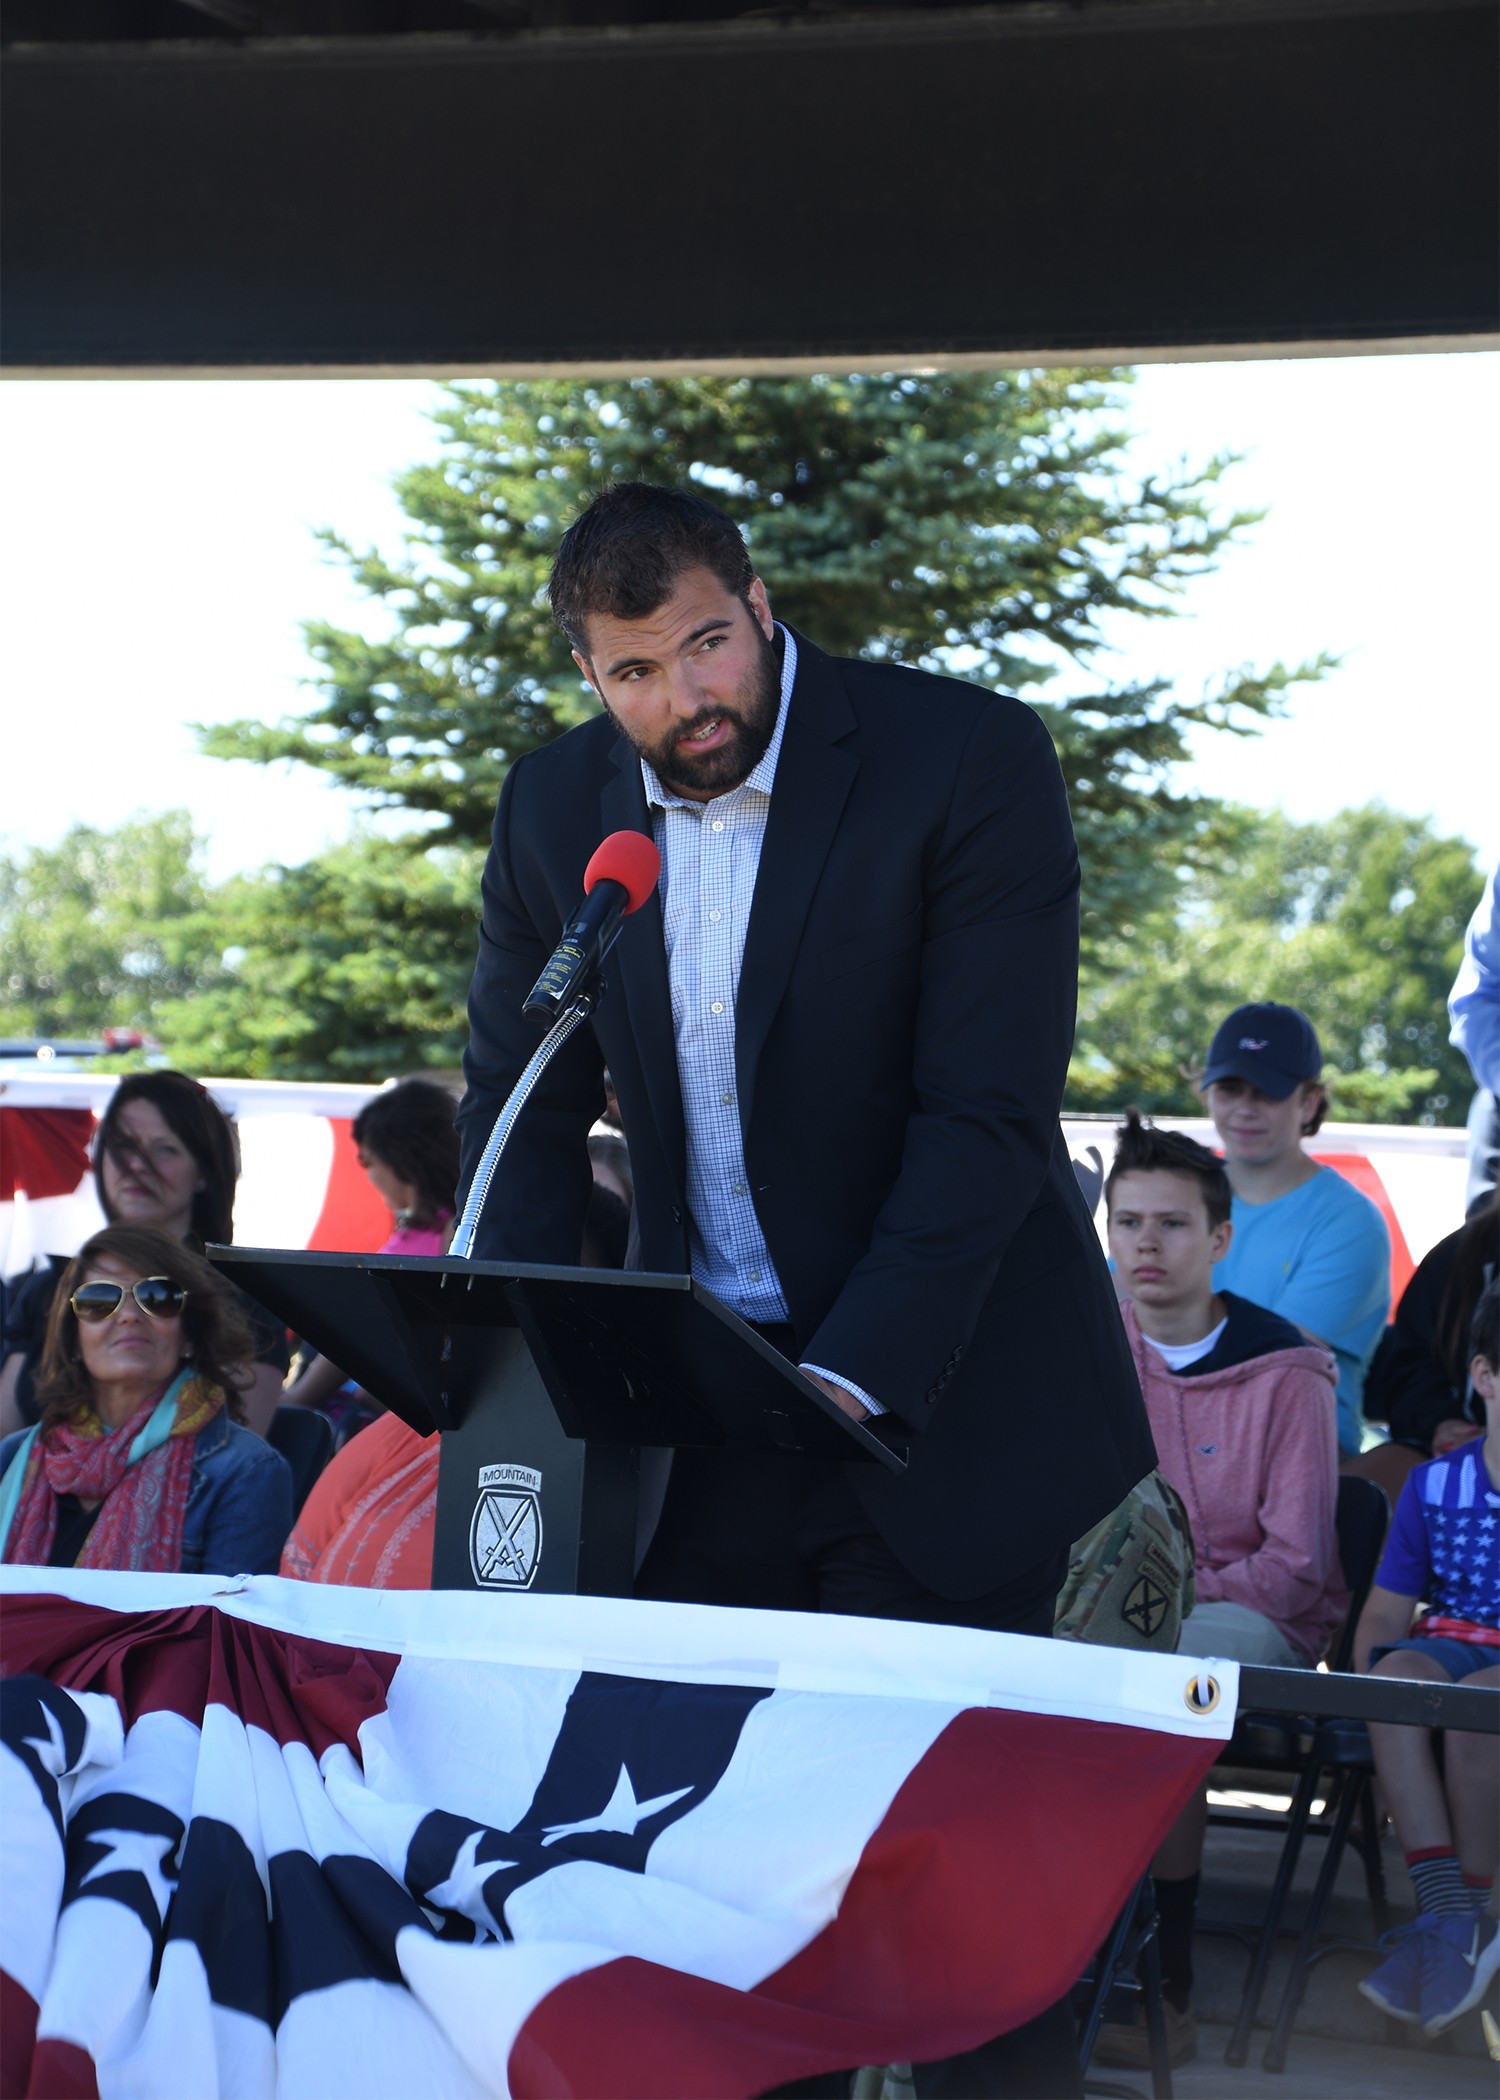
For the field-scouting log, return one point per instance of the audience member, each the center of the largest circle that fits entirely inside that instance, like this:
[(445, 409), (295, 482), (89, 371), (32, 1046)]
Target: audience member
[(1306, 1243), (1443, 1551), (370, 1516), (609, 1162), (1242, 1410), (136, 1460), (1419, 1384), (408, 1148), (165, 1157), (611, 1117), (1474, 1010)]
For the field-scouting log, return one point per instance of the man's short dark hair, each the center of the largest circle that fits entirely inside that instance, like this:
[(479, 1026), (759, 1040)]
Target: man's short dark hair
[(1484, 1328), (623, 555), (1143, 1149)]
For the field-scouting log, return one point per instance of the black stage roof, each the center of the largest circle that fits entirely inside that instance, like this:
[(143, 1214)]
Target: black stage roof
[(522, 185)]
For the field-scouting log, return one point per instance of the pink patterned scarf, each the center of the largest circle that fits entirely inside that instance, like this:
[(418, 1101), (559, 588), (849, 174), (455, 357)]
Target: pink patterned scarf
[(139, 1524)]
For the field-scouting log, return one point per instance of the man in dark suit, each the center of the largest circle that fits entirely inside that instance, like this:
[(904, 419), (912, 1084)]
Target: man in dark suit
[(838, 1036)]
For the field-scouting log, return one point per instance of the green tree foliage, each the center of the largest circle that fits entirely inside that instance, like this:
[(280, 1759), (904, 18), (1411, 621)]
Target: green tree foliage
[(354, 965), (975, 522), (985, 524), (97, 931), (1359, 921)]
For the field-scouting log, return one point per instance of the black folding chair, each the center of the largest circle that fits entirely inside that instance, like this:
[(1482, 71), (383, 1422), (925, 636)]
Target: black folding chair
[(1129, 1960), (1336, 1751), (305, 1440)]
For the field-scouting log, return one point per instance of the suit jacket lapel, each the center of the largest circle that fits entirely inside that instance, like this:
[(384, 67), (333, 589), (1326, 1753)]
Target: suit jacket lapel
[(638, 965), (813, 779)]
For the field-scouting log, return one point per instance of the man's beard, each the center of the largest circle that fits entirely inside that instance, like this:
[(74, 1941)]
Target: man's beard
[(751, 719)]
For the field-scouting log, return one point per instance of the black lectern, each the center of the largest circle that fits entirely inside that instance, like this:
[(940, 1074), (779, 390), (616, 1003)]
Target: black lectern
[(547, 1385)]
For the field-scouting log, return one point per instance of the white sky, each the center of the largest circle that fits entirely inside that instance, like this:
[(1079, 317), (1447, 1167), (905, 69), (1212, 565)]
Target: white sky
[(157, 554)]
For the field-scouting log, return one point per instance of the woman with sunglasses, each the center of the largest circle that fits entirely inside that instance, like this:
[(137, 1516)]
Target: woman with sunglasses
[(138, 1459), (165, 1156)]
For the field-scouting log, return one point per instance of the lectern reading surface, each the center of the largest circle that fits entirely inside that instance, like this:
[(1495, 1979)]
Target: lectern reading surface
[(546, 1383)]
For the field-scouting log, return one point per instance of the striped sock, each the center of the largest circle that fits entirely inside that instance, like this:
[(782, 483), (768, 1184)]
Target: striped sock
[(1439, 1882), (1480, 1887)]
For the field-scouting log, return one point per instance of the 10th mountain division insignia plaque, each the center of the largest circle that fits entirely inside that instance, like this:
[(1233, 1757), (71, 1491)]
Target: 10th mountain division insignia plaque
[(505, 1531)]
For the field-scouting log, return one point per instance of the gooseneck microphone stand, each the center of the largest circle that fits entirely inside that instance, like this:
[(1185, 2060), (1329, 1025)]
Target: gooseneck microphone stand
[(568, 1021), (619, 878)]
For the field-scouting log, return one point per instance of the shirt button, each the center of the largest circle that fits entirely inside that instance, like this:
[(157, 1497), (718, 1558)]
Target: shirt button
[(717, 1007), (718, 824), (737, 1189), (716, 915), (755, 1275), (726, 1101)]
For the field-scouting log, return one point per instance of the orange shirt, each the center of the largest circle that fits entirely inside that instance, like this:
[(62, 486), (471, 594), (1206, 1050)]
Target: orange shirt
[(370, 1517)]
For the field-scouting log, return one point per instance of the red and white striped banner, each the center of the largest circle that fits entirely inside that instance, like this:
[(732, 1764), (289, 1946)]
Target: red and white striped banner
[(282, 1840), (301, 1184)]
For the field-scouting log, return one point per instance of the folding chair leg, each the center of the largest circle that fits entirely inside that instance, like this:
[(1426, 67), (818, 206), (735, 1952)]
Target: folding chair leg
[(1296, 1983), (1286, 1867), (1106, 1964), (1370, 1822), (1156, 2026)]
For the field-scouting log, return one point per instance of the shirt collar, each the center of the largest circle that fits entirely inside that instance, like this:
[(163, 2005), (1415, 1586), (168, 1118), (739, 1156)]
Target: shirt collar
[(763, 778)]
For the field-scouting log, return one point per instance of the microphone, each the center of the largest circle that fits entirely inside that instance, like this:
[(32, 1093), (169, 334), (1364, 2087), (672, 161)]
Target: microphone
[(619, 879)]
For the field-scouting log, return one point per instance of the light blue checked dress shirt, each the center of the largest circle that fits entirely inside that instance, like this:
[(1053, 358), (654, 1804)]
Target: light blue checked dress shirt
[(710, 857)]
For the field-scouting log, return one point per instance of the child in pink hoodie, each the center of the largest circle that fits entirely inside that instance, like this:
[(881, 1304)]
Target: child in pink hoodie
[(1244, 1415)]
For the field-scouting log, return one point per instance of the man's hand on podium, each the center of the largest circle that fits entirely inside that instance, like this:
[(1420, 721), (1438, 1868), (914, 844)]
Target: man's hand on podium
[(840, 1395)]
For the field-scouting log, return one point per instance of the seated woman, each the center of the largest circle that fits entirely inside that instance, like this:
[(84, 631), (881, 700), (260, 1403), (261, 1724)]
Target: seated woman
[(165, 1156), (408, 1148), (137, 1460), (370, 1516)]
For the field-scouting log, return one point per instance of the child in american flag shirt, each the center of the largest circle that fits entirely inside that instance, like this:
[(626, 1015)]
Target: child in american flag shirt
[(1444, 1551)]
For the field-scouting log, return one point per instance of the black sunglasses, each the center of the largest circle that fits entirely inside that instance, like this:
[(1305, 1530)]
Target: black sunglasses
[(157, 1296)]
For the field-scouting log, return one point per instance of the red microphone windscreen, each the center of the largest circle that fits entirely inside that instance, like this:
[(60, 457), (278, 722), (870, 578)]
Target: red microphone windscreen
[(628, 858)]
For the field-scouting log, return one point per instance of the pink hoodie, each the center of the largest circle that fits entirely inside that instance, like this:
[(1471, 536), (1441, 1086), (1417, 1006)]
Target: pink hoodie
[(1253, 1451)]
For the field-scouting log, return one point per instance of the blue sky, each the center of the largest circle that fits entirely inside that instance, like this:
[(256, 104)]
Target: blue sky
[(157, 547)]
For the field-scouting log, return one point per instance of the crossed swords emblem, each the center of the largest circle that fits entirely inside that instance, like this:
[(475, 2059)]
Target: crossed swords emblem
[(505, 1558)]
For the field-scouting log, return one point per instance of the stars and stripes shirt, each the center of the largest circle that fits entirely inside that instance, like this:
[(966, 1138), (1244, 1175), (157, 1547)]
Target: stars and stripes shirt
[(1445, 1538), (710, 857)]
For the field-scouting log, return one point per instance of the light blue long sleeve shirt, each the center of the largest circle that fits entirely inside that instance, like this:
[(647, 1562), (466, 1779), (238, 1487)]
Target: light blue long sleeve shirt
[(1474, 1002), (1321, 1257)]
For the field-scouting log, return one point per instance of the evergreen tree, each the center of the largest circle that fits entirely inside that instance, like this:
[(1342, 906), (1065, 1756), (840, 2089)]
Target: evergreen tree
[(980, 523), (1359, 921), (353, 965)]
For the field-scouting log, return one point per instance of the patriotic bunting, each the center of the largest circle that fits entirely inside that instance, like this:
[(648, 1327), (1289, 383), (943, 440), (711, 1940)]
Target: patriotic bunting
[(296, 1842)]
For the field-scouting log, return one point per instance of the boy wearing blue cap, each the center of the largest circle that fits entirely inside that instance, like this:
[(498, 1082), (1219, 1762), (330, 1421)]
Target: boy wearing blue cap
[(1306, 1243)]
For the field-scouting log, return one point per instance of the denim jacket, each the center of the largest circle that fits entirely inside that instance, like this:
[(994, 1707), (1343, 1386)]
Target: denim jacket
[(239, 1505)]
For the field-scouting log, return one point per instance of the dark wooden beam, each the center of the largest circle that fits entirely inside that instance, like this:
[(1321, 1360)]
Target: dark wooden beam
[(1034, 181)]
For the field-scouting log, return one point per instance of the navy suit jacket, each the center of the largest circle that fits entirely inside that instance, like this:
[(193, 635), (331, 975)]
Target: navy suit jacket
[(903, 1026)]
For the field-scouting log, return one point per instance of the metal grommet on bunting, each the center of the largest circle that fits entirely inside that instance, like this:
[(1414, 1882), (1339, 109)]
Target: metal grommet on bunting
[(1201, 1695)]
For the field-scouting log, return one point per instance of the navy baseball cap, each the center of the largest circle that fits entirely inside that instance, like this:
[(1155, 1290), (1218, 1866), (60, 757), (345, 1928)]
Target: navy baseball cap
[(1272, 1047)]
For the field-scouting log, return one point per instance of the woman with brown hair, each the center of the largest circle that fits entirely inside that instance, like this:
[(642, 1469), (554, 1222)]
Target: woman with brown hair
[(408, 1148), (138, 1459), (165, 1156)]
